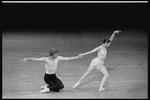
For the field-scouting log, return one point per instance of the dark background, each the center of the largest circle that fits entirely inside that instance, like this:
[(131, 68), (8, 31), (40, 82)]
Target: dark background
[(74, 16)]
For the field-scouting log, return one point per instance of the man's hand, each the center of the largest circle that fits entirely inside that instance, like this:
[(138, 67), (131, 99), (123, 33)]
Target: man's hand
[(24, 60), (117, 31), (80, 55)]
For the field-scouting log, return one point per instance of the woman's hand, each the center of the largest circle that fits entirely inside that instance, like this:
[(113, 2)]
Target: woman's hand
[(117, 31)]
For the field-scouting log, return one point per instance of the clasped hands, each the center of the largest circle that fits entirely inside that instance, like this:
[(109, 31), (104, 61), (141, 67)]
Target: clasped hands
[(80, 55)]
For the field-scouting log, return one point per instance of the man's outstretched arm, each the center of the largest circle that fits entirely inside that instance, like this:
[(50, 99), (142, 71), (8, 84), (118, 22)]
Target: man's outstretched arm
[(68, 58), (32, 59)]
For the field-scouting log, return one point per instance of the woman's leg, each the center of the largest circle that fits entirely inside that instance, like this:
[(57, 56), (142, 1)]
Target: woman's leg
[(91, 67), (104, 71)]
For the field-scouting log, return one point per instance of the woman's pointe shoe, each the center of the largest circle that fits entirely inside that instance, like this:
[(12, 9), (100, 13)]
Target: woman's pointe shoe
[(75, 86), (101, 89)]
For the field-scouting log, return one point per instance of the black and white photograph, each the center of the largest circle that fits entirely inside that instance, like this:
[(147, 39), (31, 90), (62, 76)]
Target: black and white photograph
[(75, 49)]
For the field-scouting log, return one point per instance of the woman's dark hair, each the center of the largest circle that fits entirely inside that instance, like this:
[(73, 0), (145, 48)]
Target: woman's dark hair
[(105, 40), (52, 52)]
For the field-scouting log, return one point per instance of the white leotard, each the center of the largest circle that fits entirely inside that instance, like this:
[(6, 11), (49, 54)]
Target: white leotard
[(99, 60)]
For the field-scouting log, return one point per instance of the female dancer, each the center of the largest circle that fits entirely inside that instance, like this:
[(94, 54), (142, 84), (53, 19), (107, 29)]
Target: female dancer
[(98, 62)]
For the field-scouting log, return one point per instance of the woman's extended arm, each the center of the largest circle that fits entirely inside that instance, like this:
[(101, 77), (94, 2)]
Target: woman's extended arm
[(92, 51), (112, 36)]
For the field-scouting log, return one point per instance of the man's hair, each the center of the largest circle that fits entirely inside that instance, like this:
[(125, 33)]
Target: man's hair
[(52, 52), (105, 40)]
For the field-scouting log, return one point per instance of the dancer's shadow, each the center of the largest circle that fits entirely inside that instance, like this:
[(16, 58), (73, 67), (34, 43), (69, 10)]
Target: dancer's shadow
[(112, 68), (97, 76)]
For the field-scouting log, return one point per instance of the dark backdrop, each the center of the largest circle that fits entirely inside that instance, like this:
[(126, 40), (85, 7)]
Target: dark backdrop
[(74, 16)]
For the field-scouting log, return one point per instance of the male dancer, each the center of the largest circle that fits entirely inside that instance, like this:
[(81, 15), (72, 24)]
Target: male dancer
[(54, 83)]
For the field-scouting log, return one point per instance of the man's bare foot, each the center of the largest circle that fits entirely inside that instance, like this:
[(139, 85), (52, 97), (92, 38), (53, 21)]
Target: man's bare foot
[(75, 86), (45, 90), (101, 89)]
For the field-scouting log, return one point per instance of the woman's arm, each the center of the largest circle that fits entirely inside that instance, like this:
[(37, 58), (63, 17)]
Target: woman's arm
[(112, 36), (92, 51)]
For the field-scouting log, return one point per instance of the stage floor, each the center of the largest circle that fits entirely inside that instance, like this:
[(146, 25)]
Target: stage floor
[(126, 63)]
